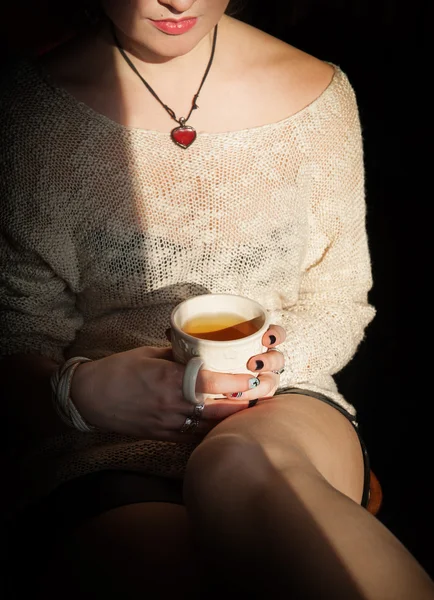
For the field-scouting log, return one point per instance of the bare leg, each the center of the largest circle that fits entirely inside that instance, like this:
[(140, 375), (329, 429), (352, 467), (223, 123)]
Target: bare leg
[(273, 496)]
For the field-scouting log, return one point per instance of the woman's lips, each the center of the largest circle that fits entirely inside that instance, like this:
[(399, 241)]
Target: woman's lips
[(175, 27)]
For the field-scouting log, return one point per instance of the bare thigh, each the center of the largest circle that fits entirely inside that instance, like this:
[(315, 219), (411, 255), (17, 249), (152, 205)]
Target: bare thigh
[(294, 429), (128, 552)]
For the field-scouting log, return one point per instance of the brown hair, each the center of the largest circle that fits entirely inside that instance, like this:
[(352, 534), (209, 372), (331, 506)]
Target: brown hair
[(235, 7)]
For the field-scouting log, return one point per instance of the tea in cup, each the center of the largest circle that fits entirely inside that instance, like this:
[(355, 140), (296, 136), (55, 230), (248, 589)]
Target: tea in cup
[(220, 331)]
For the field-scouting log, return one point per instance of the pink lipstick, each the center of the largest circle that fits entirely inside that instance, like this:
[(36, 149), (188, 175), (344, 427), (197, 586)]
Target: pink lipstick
[(174, 27)]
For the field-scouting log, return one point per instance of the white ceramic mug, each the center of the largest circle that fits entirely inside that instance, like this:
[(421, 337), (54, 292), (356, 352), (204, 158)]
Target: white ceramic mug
[(228, 356)]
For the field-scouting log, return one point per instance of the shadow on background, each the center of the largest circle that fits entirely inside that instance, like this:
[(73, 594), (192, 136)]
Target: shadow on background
[(381, 48)]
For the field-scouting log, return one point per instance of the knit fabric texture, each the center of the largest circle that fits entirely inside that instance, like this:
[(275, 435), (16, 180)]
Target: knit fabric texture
[(105, 228)]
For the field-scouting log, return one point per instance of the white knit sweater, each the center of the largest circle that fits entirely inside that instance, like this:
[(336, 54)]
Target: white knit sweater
[(104, 228)]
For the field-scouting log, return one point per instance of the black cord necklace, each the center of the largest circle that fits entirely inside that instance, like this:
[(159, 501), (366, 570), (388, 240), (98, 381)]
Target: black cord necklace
[(184, 135)]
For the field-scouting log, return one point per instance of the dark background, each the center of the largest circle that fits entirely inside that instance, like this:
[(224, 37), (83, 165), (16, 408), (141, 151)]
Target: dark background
[(380, 45)]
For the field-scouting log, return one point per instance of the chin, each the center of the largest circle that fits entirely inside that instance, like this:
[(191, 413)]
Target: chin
[(166, 50), (163, 46)]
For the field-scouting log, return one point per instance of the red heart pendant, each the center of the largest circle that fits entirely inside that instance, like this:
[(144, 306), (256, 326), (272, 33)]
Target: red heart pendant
[(183, 136)]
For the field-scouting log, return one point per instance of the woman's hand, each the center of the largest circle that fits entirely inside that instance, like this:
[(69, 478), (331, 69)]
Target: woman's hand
[(138, 392), (265, 365)]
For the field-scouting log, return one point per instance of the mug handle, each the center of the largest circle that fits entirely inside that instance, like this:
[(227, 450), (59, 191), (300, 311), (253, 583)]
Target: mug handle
[(192, 369)]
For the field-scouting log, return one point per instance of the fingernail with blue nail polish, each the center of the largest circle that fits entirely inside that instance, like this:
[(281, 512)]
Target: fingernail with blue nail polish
[(252, 402), (259, 365), (253, 383), (272, 339)]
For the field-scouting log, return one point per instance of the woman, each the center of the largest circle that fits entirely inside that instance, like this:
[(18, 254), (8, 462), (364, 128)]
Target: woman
[(171, 151)]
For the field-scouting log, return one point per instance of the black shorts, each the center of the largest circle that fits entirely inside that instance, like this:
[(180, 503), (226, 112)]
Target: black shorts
[(90, 495)]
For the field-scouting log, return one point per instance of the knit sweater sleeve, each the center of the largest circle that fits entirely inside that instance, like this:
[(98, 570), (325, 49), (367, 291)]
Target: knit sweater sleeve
[(38, 311), (327, 323)]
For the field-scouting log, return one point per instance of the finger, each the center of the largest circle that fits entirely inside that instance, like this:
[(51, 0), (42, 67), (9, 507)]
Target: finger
[(218, 409), (267, 361), (274, 336), (203, 428), (213, 410), (211, 382), (268, 383), (213, 413), (199, 426)]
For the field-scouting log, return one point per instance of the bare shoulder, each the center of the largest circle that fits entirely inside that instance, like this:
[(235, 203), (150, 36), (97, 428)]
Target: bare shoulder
[(278, 71)]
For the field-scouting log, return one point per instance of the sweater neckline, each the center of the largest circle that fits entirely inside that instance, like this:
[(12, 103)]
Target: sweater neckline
[(46, 78)]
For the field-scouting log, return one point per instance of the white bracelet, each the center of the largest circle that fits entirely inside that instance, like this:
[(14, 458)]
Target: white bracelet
[(61, 386)]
